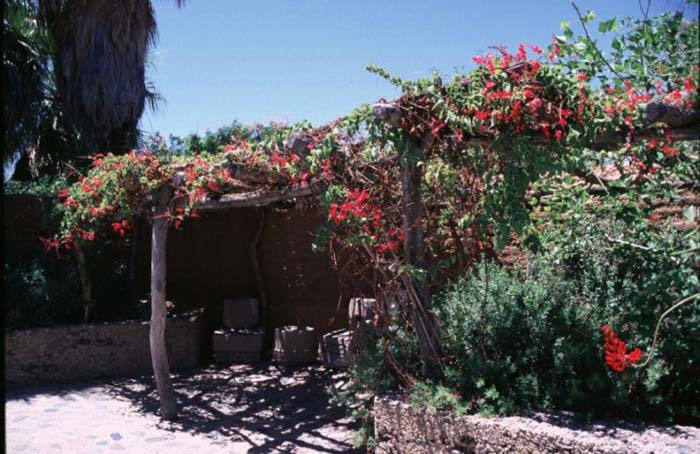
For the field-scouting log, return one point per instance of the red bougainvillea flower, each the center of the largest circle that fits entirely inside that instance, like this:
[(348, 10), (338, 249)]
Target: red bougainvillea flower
[(213, 187), (121, 227), (616, 355)]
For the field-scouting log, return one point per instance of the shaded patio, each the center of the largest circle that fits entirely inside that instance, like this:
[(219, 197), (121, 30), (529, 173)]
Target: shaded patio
[(242, 408)]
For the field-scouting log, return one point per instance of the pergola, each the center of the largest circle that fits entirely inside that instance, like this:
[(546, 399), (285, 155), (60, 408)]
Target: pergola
[(684, 124)]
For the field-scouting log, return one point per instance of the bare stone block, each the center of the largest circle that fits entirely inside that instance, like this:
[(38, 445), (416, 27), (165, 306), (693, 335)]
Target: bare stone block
[(240, 312)]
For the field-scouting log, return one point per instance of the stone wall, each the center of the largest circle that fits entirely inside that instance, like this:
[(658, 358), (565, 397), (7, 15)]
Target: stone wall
[(97, 350), (402, 429)]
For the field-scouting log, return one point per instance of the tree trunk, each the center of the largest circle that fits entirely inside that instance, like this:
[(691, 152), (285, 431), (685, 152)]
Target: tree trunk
[(159, 354), (85, 282), (418, 291)]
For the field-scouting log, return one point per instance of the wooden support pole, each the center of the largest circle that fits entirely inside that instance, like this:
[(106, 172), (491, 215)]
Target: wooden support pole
[(412, 211), (418, 291), (159, 354), (85, 281)]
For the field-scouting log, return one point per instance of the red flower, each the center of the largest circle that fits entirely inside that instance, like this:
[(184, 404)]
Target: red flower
[(63, 193), (668, 151), (482, 114), (436, 126), (616, 355), (502, 94), (536, 49), (213, 187)]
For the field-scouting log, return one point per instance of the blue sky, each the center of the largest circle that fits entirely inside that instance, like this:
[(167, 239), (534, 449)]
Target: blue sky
[(256, 61)]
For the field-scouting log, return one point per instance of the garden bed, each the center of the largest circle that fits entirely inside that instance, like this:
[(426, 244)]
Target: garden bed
[(401, 428), (97, 350)]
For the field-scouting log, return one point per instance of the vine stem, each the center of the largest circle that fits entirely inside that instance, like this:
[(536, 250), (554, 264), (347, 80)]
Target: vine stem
[(658, 326), (588, 35)]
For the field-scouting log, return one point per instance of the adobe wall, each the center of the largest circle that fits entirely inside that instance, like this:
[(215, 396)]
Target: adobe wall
[(96, 350), (209, 260)]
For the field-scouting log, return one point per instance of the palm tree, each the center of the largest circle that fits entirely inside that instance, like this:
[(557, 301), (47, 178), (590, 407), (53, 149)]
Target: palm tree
[(99, 55), (35, 131)]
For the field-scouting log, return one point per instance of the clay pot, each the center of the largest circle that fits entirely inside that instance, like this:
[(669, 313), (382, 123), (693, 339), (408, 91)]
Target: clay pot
[(240, 312), (360, 310), (335, 348), (294, 345), (238, 345)]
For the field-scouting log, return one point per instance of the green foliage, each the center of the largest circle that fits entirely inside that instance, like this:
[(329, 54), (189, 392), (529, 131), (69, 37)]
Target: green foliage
[(438, 397), (45, 185), (40, 291), (523, 340), (34, 119)]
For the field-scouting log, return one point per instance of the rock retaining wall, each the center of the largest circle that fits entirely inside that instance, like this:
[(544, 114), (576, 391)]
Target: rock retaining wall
[(400, 428), (96, 350)]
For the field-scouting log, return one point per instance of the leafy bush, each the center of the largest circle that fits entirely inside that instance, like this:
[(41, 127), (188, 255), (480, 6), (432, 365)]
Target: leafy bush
[(40, 292), (521, 340)]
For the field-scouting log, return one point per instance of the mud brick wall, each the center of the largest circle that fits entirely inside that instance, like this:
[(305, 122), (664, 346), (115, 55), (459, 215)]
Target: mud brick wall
[(209, 260), (96, 350)]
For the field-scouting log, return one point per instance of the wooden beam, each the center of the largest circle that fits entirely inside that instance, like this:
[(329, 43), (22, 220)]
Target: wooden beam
[(259, 197), (674, 116), (159, 353)]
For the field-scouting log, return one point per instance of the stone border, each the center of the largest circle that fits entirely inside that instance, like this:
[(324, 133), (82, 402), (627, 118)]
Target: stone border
[(69, 353), (401, 428)]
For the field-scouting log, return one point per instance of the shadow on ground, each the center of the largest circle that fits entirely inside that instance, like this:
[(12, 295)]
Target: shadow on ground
[(272, 408)]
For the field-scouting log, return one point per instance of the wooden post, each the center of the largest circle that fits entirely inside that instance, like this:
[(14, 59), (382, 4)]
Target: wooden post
[(412, 211), (159, 354), (418, 291), (85, 282)]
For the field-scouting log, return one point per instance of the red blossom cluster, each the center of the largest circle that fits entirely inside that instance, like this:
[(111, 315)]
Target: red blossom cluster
[(616, 355), (367, 217), (522, 106), (56, 243), (395, 237), (121, 227), (356, 204)]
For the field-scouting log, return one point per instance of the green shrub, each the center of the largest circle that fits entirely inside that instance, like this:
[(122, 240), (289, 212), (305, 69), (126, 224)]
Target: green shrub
[(40, 292), (522, 340)]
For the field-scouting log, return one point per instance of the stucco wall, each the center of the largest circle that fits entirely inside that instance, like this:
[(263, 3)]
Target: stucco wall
[(402, 429), (96, 350)]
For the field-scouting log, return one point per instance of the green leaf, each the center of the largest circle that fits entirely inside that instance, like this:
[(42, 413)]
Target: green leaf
[(608, 25), (590, 15)]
